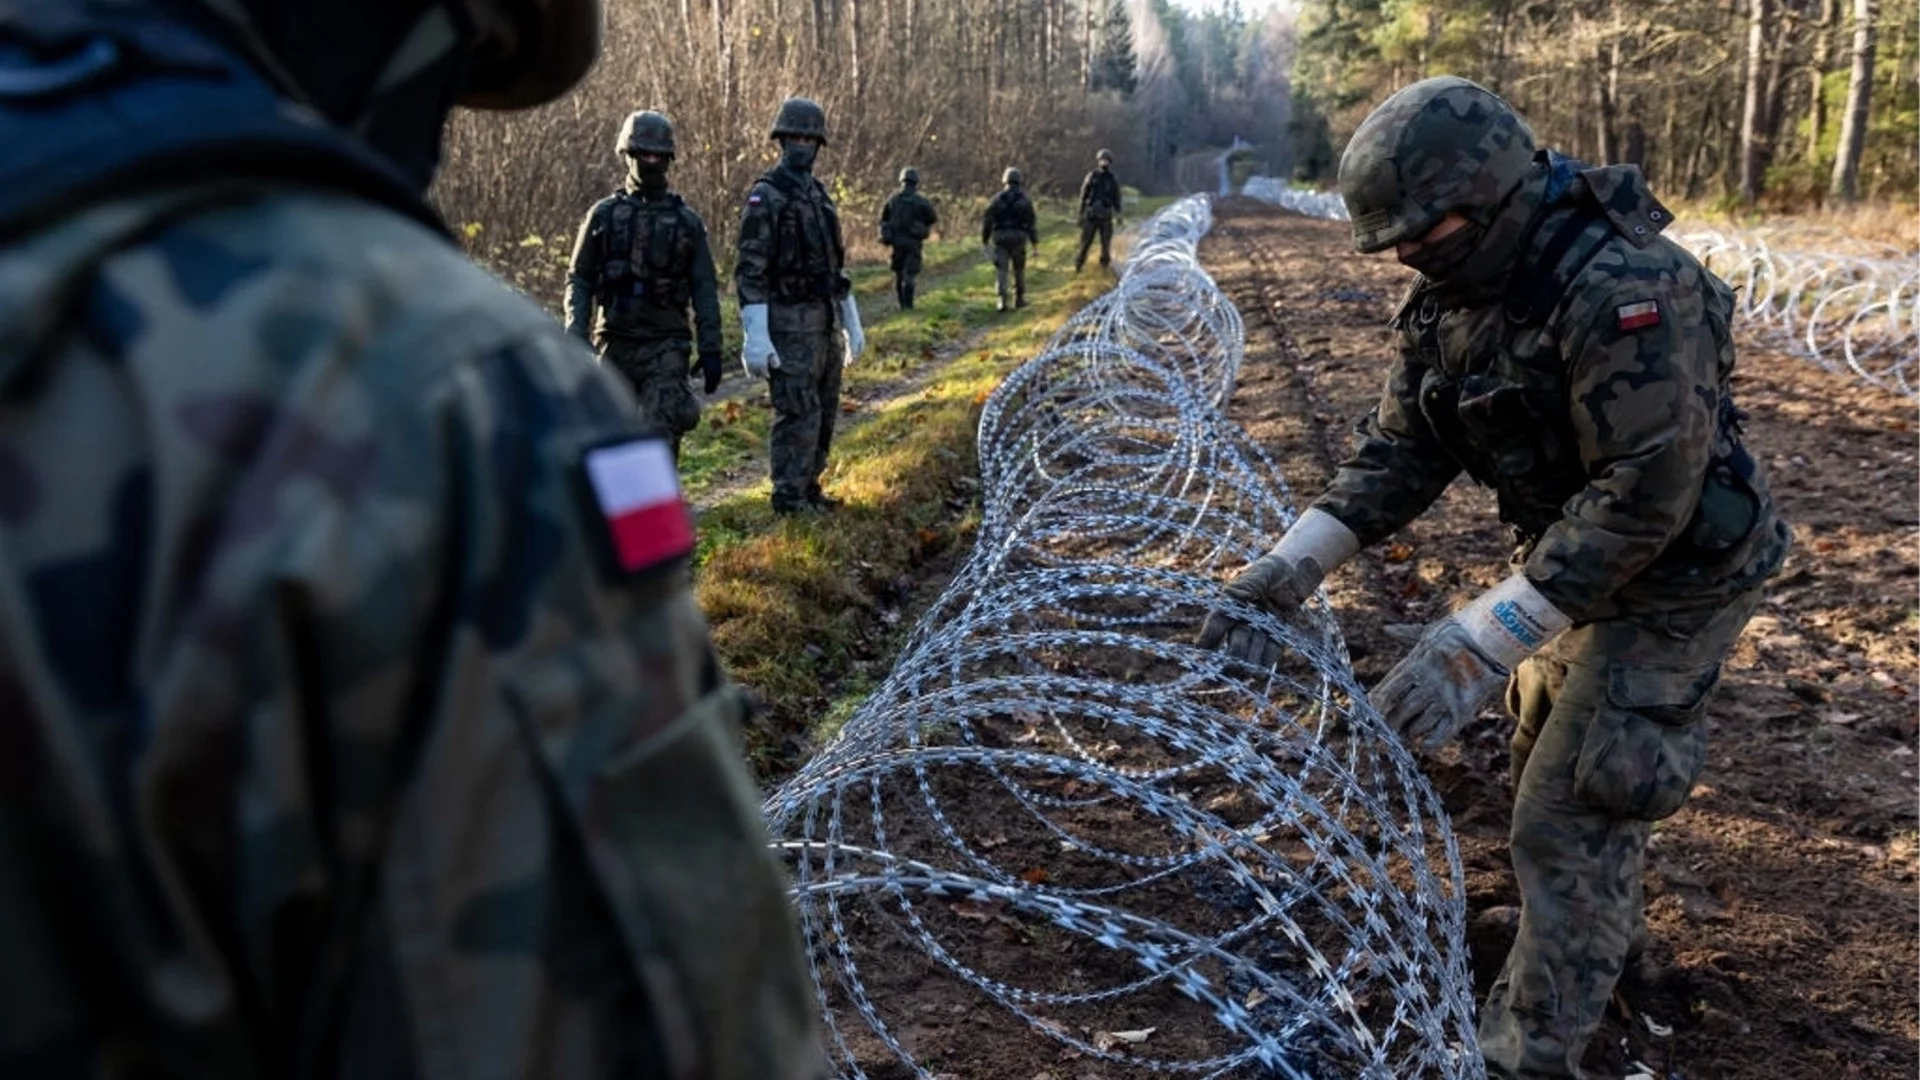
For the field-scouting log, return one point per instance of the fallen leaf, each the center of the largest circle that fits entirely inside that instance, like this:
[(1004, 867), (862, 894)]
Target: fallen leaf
[(1107, 1040), (1398, 552), (1254, 997), (1034, 876), (849, 406)]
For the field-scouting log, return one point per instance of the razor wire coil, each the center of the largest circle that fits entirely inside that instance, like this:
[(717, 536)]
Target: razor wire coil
[(1135, 851)]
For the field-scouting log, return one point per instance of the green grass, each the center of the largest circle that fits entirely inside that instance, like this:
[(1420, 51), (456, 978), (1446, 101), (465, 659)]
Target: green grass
[(800, 607)]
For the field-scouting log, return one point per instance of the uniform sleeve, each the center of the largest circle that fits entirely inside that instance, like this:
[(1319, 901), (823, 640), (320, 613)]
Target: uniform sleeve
[(1645, 399), (1029, 220), (986, 220), (580, 851), (1398, 466), (706, 292), (1086, 191), (931, 215), (754, 250), (583, 273)]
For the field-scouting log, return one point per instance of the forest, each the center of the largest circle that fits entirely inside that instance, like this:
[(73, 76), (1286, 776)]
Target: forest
[(1779, 104)]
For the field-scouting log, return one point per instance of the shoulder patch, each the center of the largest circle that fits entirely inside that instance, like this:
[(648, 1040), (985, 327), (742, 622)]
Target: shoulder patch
[(634, 491), (1638, 316)]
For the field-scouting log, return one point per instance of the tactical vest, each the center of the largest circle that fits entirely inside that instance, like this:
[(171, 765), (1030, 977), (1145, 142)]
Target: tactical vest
[(1505, 417), (1103, 194), (905, 221), (96, 104), (1007, 213), (649, 252), (807, 254)]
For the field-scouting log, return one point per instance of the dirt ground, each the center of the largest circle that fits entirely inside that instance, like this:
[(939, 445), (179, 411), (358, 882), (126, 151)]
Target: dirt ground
[(1782, 899)]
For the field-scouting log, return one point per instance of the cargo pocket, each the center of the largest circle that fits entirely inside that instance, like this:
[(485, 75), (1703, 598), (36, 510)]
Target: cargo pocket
[(1647, 746), (793, 392)]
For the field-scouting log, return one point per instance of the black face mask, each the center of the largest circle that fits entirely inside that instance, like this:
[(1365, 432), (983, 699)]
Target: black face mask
[(798, 154), (647, 176), (1440, 260)]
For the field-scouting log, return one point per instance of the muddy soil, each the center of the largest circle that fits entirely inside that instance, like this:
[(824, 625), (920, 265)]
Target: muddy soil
[(1782, 898)]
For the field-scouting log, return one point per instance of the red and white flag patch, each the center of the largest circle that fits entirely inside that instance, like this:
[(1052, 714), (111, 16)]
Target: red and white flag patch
[(637, 492), (1636, 316)]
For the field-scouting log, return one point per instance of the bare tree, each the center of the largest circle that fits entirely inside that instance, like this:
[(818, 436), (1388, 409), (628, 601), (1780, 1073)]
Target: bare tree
[(1853, 123)]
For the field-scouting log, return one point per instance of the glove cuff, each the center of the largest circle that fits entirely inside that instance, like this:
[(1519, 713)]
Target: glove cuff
[(1320, 538), (1511, 621)]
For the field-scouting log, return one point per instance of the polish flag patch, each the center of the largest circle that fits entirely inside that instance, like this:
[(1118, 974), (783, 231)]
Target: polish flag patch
[(1636, 316), (637, 491)]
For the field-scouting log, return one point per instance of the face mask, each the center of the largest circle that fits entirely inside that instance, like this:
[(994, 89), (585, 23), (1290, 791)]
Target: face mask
[(648, 176), (798, 155), (1442, 258)]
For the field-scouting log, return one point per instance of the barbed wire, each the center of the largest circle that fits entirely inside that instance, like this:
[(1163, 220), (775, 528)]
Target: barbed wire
[(1850, 306), (1059, 830), (1844, 303)]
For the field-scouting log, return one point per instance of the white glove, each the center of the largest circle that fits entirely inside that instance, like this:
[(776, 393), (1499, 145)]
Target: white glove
[(1463, 660), (850, 320), (756, 352), (1280, 581)]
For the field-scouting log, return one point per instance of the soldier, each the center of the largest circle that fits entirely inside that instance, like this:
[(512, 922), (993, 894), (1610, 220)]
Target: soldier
[(641, 258), (792, 282), (1099, 206), (358, 720), (1557, 349), (1007, 227), (905, 223)]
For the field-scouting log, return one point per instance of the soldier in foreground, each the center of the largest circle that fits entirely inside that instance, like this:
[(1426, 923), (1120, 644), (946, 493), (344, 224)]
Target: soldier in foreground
[(1557, 349), (1007, 227), (358, 721), (1099, 206), (640, 260), (905, 223), (792, 284)]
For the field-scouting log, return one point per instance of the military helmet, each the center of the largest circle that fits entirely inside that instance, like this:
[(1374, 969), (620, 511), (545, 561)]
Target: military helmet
[(646, 132), (551, 45), (909, 175), (1011, 177), (1440, 145), (1105, 157), (800, 116)]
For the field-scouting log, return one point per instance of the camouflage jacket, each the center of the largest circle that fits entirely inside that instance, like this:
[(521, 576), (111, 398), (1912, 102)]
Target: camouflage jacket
[(330, 748), (791, 250), (1099, 194), (1592, 394), (907, 219), (1010, 213), (638, 262)]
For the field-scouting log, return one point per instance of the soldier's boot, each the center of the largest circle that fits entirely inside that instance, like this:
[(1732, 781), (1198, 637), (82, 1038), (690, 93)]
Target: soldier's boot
[(820, 500), (1020, 299), (909, 296)]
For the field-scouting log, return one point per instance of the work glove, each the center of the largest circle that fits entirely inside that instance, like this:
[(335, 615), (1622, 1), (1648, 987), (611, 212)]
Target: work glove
[(850, 320), (1463, 660), (756, 352), (708, 365), (1279, 581)]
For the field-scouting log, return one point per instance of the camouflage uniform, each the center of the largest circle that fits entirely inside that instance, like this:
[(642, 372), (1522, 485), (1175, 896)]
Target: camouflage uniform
[(1583, 373), (1009, 225), (905, 223), (640, 259), (1099, 203), (792, 259), (331, 745)]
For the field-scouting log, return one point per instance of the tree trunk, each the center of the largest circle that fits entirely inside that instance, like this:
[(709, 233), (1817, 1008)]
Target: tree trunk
[(1853, 123), (1606, 133), (1817, 78), (1753, 111), (855, 32)]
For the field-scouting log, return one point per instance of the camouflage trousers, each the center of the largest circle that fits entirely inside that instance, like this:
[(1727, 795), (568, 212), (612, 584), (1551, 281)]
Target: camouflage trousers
[(1010, 259), (1611, 737), (806, 402), (657, 371), (906, 268), (1091, 226)]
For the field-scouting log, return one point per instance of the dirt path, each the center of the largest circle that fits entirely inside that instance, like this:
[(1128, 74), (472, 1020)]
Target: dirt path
[(1782, 898)]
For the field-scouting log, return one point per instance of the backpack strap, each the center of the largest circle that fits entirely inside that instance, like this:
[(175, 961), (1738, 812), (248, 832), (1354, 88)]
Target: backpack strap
[(93, 104)]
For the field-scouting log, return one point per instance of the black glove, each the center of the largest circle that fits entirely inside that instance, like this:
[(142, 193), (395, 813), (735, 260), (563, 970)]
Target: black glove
[(708, 365)]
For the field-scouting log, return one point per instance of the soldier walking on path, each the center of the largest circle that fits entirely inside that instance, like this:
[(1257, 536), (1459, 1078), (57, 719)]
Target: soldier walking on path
[(640, 260), (792, 284), (356, 719), (1557, 349), (1007, 227), (905, 223), (1099, 206)]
